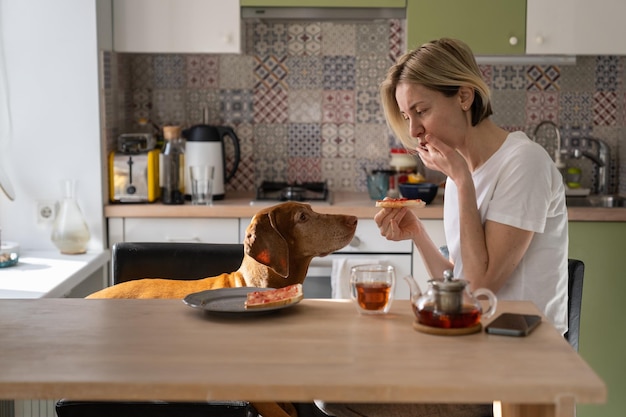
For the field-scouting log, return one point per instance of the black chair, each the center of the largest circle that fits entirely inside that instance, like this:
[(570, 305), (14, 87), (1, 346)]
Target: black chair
[(576, 272), (133, 260), (130, 260)]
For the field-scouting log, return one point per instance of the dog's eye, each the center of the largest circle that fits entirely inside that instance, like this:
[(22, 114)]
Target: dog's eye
[(302, 217)]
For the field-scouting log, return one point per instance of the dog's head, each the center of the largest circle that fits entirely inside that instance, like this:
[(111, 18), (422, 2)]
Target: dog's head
[(293, 232)]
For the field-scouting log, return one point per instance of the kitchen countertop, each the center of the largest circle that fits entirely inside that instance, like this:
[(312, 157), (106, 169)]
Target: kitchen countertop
[(41, 274), (238, 204)]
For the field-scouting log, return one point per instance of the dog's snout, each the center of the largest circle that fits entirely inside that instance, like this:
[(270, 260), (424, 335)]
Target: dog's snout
[(351, 221)]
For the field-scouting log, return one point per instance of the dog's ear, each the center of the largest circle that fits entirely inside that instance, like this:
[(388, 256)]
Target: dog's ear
[(266, 245)]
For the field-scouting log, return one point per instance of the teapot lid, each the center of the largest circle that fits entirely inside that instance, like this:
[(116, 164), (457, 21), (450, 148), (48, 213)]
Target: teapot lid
[(448, 283)]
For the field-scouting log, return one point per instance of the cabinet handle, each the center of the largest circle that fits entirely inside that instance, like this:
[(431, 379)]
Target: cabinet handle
[(183, 239), (513, 40), (539, 40), (355, 242)]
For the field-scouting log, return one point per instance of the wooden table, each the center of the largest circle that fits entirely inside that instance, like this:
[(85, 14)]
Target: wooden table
[(318, 349)]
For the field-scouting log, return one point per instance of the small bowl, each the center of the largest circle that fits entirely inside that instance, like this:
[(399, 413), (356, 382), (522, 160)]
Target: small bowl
[(425, 191), (9, 254)]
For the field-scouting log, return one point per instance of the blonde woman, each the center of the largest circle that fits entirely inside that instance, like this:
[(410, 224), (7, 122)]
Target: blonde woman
[(505, 217)]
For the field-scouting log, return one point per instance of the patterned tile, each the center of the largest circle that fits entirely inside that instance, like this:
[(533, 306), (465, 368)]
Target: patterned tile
[(202, 71), (505, 104), (141, 70), (304, 72), (340, 173), (509, 77), (200, 103), (542, 78), (397, 44), (245, 133), (169, 71), (271, 106), (270, 73), (575, 108), (487, 72), (304, 170), (169, 107), (339, 72), (141, 104), (270, 141), (338, 107), (371, 142), (236, 106), (270, 39), (106, 64), (236, 72), (305, 106), (304, 39), (368, 107), (372, 38), (338, 39), (304, 140), (541, 106), (274, 96), (605, 108), (579, 77), (607, 73), (338, 140), (370, 71)]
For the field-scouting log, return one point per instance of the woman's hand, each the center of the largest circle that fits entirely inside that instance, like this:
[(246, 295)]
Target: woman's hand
[(437, 155), (398, 223)]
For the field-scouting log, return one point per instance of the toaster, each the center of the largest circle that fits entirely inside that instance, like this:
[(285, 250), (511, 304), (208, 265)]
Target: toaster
[(134, 176)]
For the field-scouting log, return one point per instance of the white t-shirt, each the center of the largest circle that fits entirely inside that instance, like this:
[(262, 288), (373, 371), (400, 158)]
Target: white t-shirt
[(520, 186)]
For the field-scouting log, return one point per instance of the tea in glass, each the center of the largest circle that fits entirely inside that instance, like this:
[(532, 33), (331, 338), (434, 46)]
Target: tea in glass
[(372, 288)]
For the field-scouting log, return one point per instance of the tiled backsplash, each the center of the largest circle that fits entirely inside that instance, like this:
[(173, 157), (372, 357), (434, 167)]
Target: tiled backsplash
[(303, 99)]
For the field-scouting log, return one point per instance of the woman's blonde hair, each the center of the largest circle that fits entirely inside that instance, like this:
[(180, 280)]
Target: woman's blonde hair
[(442, 65)]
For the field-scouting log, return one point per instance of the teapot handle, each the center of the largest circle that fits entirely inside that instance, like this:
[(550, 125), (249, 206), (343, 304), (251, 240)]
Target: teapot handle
[(491, 297)]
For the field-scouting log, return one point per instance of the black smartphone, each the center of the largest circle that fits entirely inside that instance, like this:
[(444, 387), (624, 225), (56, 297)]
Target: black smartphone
[(513, 324)]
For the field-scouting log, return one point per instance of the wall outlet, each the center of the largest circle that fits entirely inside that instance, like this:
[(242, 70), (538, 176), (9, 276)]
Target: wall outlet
[(46, 211)]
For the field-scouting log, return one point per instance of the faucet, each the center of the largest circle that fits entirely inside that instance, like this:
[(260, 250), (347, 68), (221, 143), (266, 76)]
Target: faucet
[(557, 153), (601, 159)]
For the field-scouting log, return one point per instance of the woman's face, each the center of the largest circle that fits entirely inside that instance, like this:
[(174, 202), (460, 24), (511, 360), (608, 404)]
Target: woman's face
[(430, 112)]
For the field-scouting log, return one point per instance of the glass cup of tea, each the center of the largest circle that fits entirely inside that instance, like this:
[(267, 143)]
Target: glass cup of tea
[(372, 287)]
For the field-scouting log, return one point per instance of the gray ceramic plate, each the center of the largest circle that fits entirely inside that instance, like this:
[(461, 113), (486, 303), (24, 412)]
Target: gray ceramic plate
[(228, 301)]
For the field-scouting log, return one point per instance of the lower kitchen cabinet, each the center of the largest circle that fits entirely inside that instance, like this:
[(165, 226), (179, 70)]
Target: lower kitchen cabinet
[(173, 230), (600, 245)]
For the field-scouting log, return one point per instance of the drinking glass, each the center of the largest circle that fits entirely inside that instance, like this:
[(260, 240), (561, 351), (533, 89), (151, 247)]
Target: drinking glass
[(372, 288), (201, 177)]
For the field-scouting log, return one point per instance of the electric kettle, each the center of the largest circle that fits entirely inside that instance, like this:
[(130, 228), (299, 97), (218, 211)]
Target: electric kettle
[(205, 146)]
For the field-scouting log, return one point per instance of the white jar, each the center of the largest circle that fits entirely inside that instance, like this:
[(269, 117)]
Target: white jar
[(402, 160)]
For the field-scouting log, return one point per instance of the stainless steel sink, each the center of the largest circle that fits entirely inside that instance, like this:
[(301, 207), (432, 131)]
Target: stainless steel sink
[(595, 201)]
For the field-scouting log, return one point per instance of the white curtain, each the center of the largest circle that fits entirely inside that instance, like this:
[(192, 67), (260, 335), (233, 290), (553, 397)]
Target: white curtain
[(5, 119)]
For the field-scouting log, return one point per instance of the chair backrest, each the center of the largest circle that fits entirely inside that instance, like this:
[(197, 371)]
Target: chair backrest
[(576, 270), (173, 260)]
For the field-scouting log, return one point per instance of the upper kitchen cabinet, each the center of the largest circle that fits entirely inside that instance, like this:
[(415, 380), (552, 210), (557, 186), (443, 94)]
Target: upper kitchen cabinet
[(323, 3), (489, 27), (578, 27), (176, 26)]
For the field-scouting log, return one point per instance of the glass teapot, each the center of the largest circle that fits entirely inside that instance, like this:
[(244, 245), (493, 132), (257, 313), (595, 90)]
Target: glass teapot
[(448, 303)]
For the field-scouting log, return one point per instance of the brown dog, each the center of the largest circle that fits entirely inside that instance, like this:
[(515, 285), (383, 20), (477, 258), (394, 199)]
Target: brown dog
[(279, 245)]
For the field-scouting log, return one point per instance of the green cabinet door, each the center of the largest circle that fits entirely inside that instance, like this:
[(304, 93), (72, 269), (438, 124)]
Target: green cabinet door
[(487, 26), (323, 3), (602, 343)]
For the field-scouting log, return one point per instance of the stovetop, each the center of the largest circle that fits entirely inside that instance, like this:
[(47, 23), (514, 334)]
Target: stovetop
[(284, 191)]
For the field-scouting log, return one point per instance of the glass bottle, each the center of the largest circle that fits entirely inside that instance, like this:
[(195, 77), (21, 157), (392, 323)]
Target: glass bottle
[(70, 233), (172, 166)]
